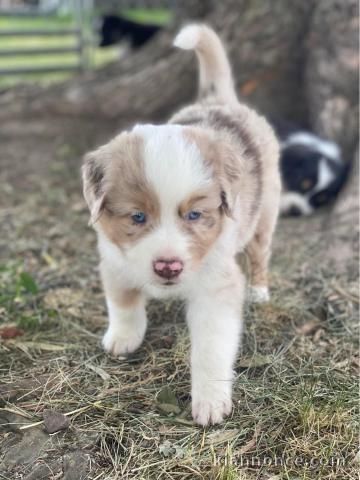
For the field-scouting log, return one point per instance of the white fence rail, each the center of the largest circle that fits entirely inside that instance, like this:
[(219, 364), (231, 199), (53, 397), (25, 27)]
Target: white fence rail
[(77, 32)]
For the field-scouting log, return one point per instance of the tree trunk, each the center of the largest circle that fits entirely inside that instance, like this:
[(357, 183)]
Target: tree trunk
[(341, 228), (332, 72), (266, 45), (291, 59), (332, 79)]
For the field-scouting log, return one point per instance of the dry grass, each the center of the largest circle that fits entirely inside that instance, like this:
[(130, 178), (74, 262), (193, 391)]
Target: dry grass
[(296, 383)]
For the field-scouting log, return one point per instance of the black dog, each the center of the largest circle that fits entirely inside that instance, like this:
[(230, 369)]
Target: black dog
[(114, 29), (312, 170)]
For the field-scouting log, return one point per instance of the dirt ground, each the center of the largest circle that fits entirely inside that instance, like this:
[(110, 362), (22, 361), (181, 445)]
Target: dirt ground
[(295, 396)]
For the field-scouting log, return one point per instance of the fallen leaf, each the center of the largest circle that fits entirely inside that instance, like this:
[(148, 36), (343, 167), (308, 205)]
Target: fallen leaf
[(40, 346), (179, 451), (7, 332), (169, 449), (169, 408), (104, 375), (254, 83), (255, 361), (168, 341), (251, 444), (166, 448), (308, 327), (55, 421), (221, 436), (49, 260), (166, 395), (250, 86), (317, 335), (167, 401)]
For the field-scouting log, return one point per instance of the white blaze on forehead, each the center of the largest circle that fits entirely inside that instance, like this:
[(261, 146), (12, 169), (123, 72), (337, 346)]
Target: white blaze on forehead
[(173, 165)]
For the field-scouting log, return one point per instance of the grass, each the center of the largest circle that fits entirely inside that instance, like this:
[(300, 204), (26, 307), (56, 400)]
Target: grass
[(295, 396), (98, 56), (295, 410), (297, 404), (156, 16)]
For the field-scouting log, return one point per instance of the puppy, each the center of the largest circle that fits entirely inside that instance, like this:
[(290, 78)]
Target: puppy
[(172, 206), (312, 170), (113, 29)]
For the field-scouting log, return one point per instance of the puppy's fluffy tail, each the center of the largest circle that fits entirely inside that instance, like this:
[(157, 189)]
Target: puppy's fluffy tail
[(215, 77)]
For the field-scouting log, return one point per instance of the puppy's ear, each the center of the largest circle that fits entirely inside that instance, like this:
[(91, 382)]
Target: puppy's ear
[(93, 185)]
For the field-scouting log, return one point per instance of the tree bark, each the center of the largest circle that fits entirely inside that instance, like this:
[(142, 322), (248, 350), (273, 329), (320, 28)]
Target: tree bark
[(332, 72), (266, 46), (291, 59)]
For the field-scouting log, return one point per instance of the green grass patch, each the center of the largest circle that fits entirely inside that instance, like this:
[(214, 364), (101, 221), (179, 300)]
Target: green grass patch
[(155, 16), (98, 56)]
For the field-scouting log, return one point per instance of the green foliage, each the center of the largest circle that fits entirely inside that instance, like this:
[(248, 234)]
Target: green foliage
[(29, 322), (167, 401), (18, 296), (27, 282), (156, 16)]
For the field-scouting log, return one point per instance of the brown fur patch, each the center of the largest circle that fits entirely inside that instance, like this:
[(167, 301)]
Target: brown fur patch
[(250, 150), (205, 230), (241, 155), (219, 156), (125, 188), (228, 144), (129, 298), (119, 294), (220, 120)]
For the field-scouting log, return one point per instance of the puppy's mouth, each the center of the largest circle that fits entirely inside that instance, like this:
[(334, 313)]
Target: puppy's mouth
[(169, 283)]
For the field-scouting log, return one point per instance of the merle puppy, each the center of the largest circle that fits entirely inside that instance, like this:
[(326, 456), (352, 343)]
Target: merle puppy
[(114, 29), (312, 170), (173, 205)]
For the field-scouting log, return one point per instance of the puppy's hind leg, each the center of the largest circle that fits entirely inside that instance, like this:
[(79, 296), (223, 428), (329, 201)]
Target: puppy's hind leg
[(259, 252)]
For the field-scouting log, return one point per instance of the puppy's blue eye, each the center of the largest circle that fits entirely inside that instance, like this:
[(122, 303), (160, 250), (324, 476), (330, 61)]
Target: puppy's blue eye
[(139, 217), (193, 215)]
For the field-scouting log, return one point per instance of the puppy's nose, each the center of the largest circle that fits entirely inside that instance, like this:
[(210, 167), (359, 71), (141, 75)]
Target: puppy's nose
[(168, 267)]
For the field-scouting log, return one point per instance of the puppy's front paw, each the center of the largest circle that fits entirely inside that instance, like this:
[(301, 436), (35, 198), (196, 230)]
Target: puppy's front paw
[(122, 342), (209, 411), (258, 294)]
